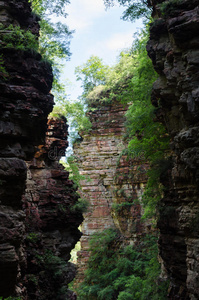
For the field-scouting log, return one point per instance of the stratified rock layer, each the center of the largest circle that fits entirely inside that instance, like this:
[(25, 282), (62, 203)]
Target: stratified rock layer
[(52, 227), (112, 184), (35, 242), (173, 48), (25, 102)]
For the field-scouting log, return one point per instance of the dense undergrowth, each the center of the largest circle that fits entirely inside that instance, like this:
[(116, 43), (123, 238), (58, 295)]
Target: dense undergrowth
[(116, 271)]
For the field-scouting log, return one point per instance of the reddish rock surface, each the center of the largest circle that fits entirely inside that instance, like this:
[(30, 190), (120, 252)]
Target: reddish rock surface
[(52, 227), (173, 48), (112, 182)]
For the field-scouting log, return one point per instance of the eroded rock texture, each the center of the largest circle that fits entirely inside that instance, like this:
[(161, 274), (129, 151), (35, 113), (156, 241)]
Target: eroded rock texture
[(113, 184), (25, 102), (52, 227), (43, 237), (173, 48)]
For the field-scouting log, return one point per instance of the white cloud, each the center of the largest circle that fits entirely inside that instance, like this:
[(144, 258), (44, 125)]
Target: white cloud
[(119, 41), (82, 13), (93, 6)]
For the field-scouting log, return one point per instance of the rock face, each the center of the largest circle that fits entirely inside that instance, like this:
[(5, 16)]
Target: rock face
[(51, 225), (173, 48), (113, 184), (25, 102)]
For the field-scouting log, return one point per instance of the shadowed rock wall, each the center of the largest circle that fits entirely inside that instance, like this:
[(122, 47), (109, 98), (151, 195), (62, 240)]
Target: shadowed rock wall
[(51, 226), (25, 102), (36, 239), (173, 48)]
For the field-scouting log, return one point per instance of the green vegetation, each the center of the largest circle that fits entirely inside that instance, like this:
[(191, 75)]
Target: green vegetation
[(49, 262), (15, 37), (74, 112), (82, 204), (121, 206), (92, 74), (54, 38), (122, 272), (168, 7), (33, 237), (10, 298), (130, 82), (135, 9), (116, 271)]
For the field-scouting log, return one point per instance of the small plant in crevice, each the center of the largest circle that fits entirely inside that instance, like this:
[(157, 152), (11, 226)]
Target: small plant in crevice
[(81, 206), (118, 207), (3, 72), (51, 263), (168, 7), (33, 237), (10, 298)]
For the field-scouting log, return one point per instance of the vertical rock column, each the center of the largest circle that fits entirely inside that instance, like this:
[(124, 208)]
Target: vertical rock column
[(25, 102), (109, 184), (51, 224), (173, 48)]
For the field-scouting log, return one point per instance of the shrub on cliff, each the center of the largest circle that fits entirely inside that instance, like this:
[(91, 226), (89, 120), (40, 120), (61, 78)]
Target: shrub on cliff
[(116, 271)]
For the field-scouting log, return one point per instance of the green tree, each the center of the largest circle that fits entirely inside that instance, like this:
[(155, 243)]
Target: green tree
[(92, 74), (54, 39), (117, 271), (135, 9)]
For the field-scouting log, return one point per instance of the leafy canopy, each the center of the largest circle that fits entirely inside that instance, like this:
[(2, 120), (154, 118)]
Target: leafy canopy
[(135, 9), (92, 73), (121, 272), (54, 39)]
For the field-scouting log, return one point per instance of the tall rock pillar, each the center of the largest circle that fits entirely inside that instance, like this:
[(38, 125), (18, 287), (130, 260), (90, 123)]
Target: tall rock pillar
[(25, 102), (113, 184), (173, 48)]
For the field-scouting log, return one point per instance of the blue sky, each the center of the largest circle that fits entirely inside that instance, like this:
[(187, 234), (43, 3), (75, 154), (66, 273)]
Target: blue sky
[(97, 32)]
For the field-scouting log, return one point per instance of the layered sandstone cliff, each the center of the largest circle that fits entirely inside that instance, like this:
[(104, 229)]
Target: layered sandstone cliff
[(39, 225), (173, 48), (113, 183)]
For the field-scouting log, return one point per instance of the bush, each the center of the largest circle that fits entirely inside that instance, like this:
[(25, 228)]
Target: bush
[(122, 272)]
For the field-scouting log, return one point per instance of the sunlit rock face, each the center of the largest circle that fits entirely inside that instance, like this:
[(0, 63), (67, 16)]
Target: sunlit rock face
[(40, 220), (173, 48), (113, 184)]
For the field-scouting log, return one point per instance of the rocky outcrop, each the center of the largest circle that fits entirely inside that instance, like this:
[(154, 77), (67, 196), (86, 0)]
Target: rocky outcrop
[(25, 102), (51, 224), (113, 183), (173, 48)]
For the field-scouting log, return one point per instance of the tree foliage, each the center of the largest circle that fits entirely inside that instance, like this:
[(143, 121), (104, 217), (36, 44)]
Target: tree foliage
[(135, 9), (92, 73), (130, 82), (55, 36), (122, 272)]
